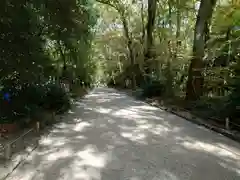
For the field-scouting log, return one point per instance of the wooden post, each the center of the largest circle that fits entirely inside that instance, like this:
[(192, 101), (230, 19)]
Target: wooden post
[(53, 116), (37, 126), (161, 102), (8, 151), (227, 123)]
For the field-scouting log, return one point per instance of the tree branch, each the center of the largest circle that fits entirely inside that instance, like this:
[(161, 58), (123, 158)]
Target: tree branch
[(108, 3)]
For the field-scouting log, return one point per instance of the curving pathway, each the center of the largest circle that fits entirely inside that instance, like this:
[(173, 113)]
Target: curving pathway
[(111, 136)]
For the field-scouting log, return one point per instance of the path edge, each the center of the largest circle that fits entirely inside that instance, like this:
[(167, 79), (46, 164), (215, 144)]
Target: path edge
[(193, 118)]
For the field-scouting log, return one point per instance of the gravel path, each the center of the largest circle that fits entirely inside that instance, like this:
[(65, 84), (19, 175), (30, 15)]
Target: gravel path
[(111, 136)]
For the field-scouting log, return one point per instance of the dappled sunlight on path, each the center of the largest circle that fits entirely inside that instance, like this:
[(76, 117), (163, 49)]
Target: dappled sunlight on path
[(111, 136)]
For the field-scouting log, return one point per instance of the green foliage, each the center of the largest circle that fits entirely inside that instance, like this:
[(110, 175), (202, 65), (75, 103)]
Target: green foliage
[(40, 41), (38, 38), (55, 40), (154, 88), (21, 46), (21, 103), (173, 45), (56, 99), (28, 99), (233, 104)]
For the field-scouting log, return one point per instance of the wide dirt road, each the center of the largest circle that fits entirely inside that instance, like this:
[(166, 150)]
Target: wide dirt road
[(111, 136)]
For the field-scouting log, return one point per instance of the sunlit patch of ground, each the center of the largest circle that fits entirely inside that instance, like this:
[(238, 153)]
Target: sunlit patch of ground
[(110, 136)]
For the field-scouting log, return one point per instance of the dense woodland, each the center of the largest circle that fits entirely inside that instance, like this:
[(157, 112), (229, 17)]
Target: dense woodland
[(43, 45), (187, 51), (184, 50)]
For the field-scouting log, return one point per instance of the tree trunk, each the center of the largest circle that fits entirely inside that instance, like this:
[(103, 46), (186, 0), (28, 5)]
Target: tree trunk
[(152, 7), (122, 14), (195, 82), (169, 75), (130, 47), (143, 23), (63, 58), (178, 42)]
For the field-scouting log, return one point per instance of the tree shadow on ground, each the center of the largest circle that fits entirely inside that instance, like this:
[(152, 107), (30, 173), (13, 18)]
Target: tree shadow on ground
[(111, 136)]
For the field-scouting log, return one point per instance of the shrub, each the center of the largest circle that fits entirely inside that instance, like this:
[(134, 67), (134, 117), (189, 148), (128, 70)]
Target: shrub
[(208, 106), (111, 83), (56, 99), (233, 105), (26, 100), (34, 94), (153, 89)]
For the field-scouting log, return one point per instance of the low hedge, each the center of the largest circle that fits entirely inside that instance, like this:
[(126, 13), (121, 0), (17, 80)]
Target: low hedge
[(26, 100)]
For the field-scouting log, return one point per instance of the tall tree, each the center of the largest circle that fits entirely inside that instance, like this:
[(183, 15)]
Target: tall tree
[(122, 9), (149, 54), (178, 24), (195, 74), (32, 31)]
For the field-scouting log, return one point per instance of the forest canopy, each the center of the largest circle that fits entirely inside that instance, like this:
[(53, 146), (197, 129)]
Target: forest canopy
[(43, 45), (41, 38)]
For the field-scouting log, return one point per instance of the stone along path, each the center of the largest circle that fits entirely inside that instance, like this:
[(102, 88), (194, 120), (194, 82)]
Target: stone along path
[(111, 136)]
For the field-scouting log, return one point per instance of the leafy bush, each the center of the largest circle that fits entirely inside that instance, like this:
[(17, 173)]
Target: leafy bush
[(208, 107), (34, 94), (26, 100), (111, 83), (153, 89), (22, 102), (56, 99), (233, 103)]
